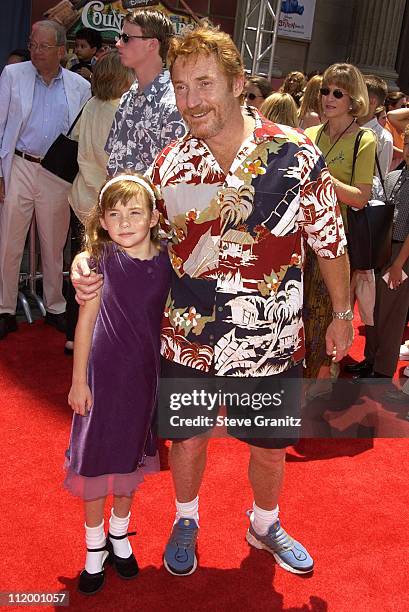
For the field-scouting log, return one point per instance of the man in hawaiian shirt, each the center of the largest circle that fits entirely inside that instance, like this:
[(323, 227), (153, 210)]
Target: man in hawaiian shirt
[(147, 118), (239, 197)]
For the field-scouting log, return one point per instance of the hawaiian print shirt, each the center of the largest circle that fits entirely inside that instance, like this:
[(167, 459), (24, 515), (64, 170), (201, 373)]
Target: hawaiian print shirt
[(237, 248), (145, 122)]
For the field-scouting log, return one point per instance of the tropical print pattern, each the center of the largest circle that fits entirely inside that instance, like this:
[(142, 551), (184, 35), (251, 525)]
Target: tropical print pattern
[(237, 248), (145, 122)]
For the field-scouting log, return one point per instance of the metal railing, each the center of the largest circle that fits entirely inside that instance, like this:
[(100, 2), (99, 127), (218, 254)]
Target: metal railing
[(259, 38)]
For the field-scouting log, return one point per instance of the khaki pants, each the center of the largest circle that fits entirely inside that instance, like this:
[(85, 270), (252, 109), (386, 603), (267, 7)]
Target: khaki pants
[(33, 189)]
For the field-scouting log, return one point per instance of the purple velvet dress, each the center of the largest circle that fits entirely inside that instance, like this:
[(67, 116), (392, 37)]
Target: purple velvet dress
[(113, 447)]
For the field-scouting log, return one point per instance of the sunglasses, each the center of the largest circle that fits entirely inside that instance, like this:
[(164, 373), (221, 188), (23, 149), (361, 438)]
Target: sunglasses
[(127, 37), (337, 93), (251, 96)]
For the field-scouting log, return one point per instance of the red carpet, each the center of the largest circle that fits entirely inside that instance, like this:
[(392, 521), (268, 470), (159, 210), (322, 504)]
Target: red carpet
[(347, 501)]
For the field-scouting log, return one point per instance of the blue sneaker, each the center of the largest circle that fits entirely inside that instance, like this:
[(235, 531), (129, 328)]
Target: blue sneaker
[(288, 553), (180, 558)]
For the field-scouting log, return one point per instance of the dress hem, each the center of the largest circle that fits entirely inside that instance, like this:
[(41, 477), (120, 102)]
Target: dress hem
[(93, 487)]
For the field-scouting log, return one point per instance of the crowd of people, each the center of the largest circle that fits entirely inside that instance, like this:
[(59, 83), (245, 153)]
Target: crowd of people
[(334, 117), (209, 228)]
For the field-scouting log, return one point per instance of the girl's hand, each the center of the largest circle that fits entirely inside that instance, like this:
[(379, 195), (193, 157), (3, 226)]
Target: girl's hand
[(80, 398), (395, 275)]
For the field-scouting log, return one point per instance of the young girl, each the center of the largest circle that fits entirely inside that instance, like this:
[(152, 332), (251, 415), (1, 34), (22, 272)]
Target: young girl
[(116, 369)]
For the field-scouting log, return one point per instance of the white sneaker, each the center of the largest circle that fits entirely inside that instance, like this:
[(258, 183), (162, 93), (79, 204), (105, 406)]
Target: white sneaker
[(404, 352), (406, 371)]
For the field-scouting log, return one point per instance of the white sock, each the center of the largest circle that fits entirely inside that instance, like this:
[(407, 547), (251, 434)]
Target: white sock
[(188, 510), (263, 519), (117, 527), (95, 538)]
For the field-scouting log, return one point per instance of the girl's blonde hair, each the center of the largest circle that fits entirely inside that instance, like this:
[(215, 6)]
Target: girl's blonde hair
[(280, 108), (110, 79), (310, 102), (96, 237), (351, 79)]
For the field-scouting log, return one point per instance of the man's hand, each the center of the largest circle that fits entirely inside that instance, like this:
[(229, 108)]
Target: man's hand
[(85, 73), (395, 275), (86, 283), (2, 190), (338, 338)]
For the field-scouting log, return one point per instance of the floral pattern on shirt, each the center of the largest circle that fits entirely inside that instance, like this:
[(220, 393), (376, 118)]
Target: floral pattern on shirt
[(145, 122), (236, 246)]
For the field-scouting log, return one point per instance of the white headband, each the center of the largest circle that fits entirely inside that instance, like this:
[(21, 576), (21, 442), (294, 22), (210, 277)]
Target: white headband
[(129, 177)]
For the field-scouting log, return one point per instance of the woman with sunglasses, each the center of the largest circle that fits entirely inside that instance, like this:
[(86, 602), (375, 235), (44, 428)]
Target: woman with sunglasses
[(343, 100), (257, 89)]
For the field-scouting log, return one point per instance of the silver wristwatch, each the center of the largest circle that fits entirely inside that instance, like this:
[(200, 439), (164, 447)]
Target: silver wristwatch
[(348, 315)]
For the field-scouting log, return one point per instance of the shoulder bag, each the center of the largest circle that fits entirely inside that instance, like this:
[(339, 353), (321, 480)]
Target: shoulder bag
[(61, 157), (370, 228)]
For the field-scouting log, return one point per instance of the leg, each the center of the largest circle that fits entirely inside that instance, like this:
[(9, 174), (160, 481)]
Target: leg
[(124, 560), (392, 307), (53, 217), (187, 461), (92, 578), (266, 472), (371, 331), (122, 505), (94, 512), (15, 217), (72, 305)]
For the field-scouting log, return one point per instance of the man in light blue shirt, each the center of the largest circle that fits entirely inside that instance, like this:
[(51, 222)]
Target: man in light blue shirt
[(38, 101), (48, 117)]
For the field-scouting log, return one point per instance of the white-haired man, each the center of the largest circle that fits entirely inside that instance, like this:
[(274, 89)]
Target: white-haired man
[(38, 101)]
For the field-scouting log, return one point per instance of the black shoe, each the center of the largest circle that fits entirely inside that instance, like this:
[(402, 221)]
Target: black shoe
[(56, 320), (374, 374), (3, 326), (126, 568), (370, 375), (8, 323), (357, 368), (89, 584), (12, 323)]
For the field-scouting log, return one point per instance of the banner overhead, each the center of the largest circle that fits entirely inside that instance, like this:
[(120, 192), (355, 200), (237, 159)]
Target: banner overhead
[(107, 17), (296, 19)]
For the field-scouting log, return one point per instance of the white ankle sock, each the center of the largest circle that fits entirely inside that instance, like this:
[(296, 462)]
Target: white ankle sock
[(263, 519), (95, 538), (117, 527), (188, 509)]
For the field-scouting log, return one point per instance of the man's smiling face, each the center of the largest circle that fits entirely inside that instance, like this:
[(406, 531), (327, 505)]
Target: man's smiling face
[(205, 96)]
